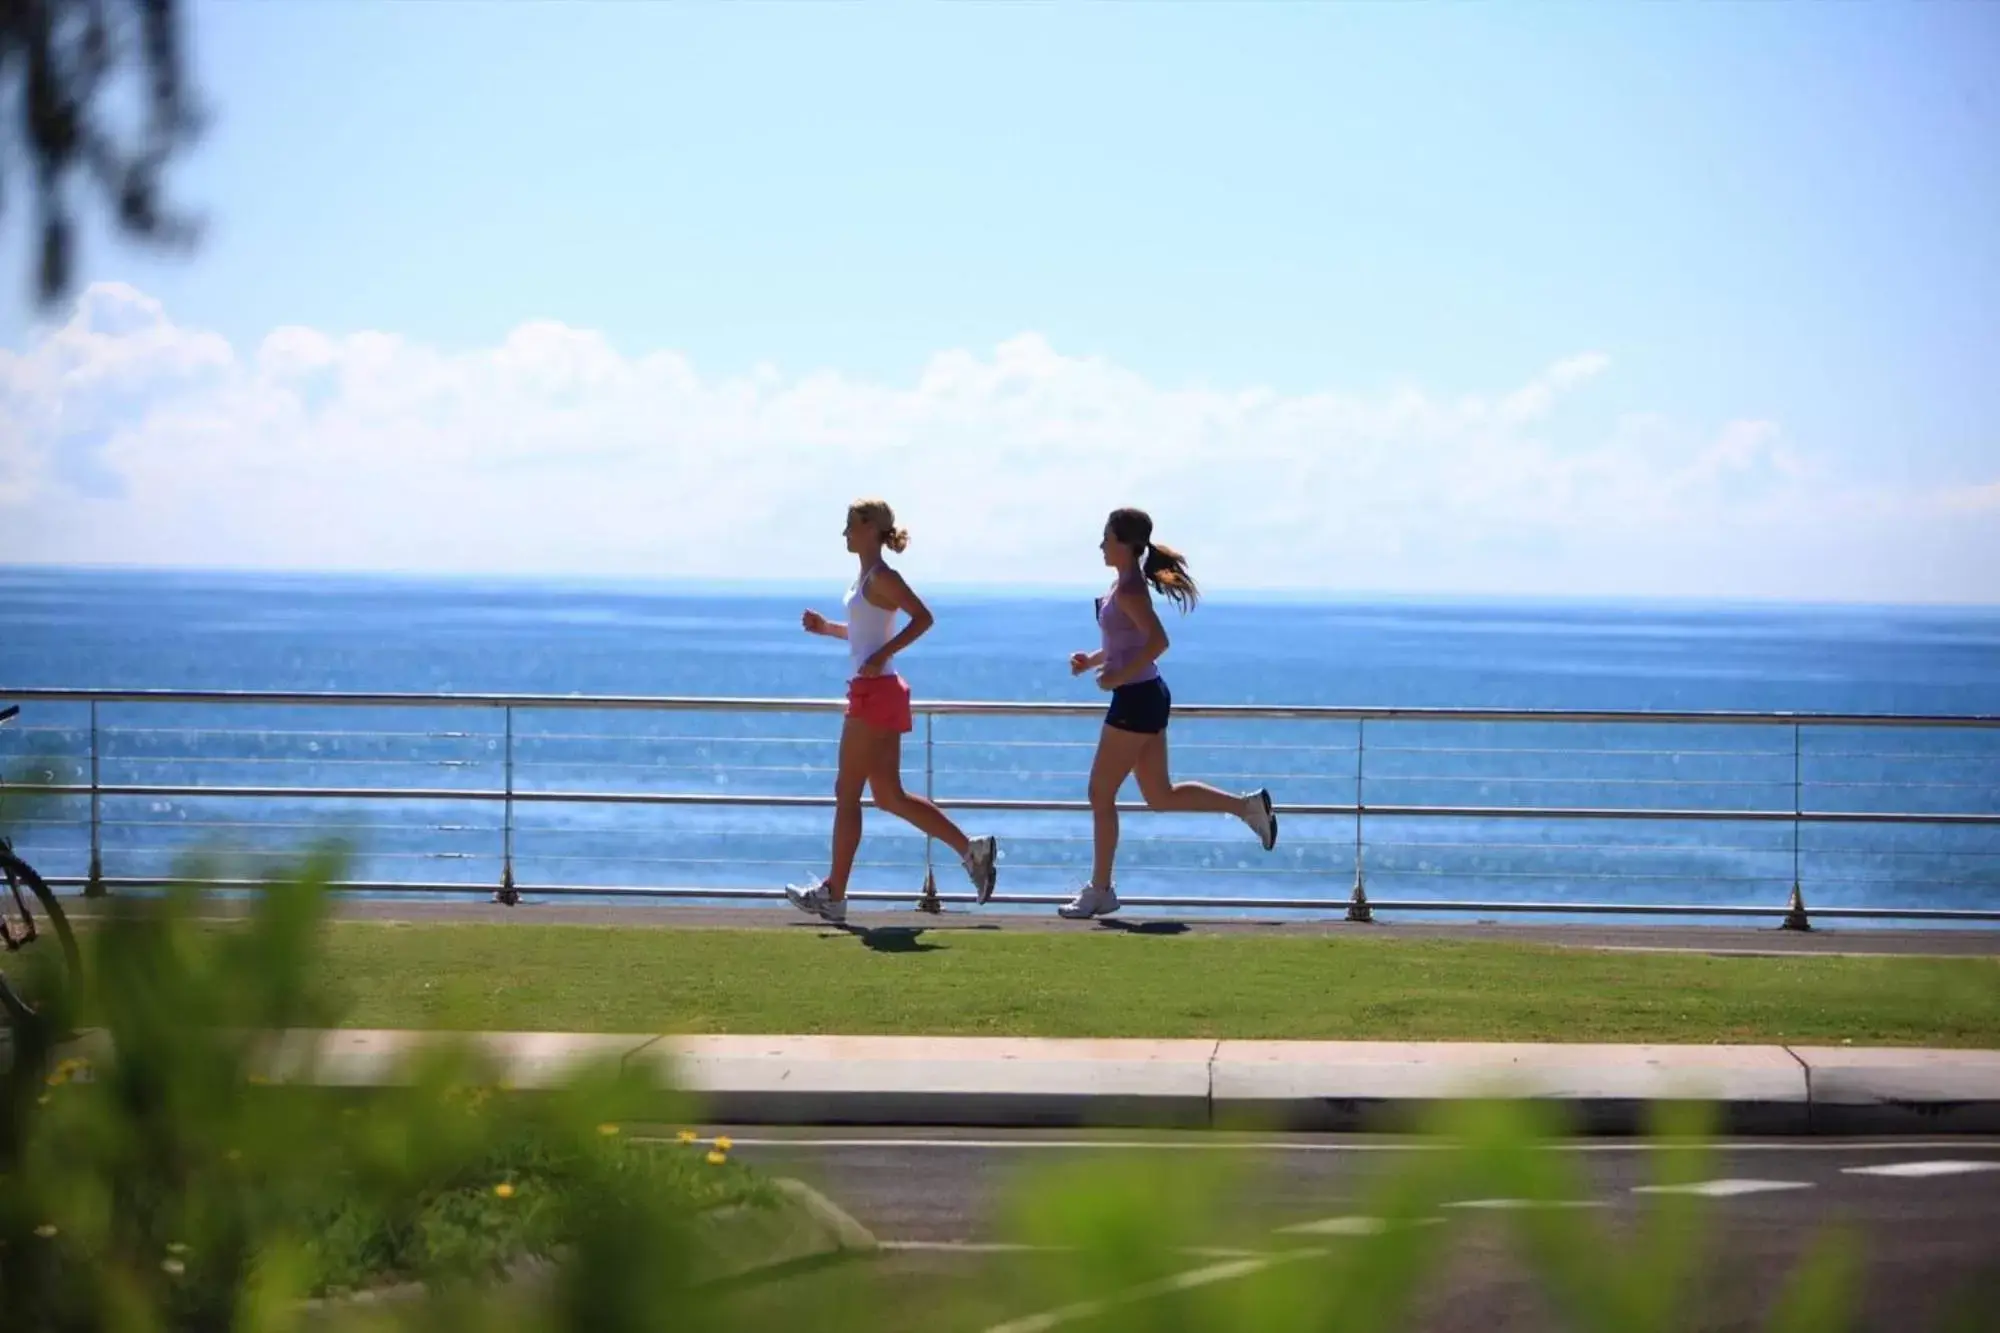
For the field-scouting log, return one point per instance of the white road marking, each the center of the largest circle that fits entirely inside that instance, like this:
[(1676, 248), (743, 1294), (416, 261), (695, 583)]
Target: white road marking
[(1198, 1277), (1921, 1169), (968, 1247), (1309, 1146), (1338, 1226), (1502, 1204), (1725, 1189), (1015, 1247)]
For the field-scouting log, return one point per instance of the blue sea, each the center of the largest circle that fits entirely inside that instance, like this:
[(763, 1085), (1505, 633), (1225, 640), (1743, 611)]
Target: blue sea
[(132, 630)]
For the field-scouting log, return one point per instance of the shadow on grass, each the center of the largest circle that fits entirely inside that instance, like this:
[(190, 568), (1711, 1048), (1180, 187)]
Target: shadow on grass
[(1144, 927), (893, 939), (884, 939)]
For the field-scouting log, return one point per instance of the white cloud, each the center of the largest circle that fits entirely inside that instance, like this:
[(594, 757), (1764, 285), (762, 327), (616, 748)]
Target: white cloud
[(1973, 499), (127, 439)]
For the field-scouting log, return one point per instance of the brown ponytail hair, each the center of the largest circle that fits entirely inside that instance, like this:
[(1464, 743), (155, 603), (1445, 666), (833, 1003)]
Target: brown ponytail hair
[(877, 515), (1164, 567)]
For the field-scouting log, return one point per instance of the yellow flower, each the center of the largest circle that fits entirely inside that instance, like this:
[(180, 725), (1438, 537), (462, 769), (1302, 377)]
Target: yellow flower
[(504, 1190), (233, 1155), (173, 1266), (717, 1158), (607, 1129), (687, 1136), (724, 1143), (45, 1230), (67, 1071), (176, 1247)]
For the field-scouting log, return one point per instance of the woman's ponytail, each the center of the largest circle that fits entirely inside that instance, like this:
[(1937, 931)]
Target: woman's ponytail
[(1167, 570)]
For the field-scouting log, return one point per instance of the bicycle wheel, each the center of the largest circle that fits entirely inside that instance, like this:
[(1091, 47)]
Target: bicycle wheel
[(20, 873)]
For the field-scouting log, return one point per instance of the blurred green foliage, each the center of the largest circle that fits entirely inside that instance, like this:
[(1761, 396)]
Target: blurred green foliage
[(154, 1177)]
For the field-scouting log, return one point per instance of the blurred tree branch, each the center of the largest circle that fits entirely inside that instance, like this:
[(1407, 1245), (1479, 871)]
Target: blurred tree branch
[(66, 66)]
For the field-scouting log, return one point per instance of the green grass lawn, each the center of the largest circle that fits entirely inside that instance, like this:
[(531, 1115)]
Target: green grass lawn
[(1109, 984)]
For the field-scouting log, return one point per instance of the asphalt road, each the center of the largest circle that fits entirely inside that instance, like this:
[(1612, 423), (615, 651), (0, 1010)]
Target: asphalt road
[(1930, 1228)]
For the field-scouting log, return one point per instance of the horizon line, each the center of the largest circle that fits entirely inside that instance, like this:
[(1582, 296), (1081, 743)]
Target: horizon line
[(1020, 590)]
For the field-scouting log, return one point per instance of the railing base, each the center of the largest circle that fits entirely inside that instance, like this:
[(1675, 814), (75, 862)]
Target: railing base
[(1358, 909), (93, 884), (1795, 913)]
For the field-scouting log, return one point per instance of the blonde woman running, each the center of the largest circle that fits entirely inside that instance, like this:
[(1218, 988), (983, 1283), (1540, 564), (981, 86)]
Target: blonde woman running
[(878, 716)]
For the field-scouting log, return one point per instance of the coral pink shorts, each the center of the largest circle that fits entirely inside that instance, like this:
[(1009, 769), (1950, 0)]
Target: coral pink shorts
[(880, 701)]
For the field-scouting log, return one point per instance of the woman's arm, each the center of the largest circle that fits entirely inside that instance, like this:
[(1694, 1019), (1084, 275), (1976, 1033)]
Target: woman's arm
[(816, 623)]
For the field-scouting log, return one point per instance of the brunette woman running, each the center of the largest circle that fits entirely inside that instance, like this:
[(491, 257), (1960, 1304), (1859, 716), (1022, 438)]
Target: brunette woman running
[(1134, 737), (878, 715)]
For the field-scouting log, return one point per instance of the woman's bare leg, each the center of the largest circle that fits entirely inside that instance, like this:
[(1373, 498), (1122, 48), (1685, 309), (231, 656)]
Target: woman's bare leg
[(885, 779), (1161, 792), (1156, 784), (859, 743), (1117, 752)]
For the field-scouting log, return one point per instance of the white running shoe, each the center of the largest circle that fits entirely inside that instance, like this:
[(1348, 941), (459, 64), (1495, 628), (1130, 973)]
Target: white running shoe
[(1089, 902), (981, 865), (1257, 813), (814, 900)]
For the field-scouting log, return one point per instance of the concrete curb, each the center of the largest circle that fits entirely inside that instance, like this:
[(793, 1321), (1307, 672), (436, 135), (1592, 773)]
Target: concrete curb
[(732, 1244), (806, 1227), (1346, 1086), (1128, 1083), (936, 1081), (1884, 1090)]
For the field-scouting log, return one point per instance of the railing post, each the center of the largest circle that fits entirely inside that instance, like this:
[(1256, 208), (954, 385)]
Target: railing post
[(1357, 903), (93, 885), (929, 901), (1795, 910), (508, 896)]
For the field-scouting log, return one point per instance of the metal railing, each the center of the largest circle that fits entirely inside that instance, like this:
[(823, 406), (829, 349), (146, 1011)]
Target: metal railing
[(1418, 798)]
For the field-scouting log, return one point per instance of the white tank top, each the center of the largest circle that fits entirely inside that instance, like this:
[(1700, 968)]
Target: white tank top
[(868, 625)]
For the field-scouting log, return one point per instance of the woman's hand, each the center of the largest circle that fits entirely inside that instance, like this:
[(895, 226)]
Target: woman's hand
[(873, 666), (1079, 663), (1110, 680), (814, 622)]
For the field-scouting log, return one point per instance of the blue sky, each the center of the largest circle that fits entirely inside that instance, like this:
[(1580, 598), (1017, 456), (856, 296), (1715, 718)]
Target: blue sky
[(1775, 218)]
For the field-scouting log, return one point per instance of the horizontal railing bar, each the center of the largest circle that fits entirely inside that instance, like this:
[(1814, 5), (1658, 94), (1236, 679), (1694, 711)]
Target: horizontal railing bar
[(1519, 779), (1968, 877), (520, 765), (1908, 881), (1379, 870), (1646, 752), (1039, 900), (447, 794), (688, 703), (303, 733), (317, 760)]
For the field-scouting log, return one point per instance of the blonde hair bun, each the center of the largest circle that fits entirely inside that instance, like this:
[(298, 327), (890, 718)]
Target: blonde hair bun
[(877, 515)]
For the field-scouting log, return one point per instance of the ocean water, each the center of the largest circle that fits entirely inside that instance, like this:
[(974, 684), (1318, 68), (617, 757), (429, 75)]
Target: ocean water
[(126, 630)]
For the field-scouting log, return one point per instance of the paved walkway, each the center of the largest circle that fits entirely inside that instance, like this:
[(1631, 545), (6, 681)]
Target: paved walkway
[(1293, 1085), (1700, 938)]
